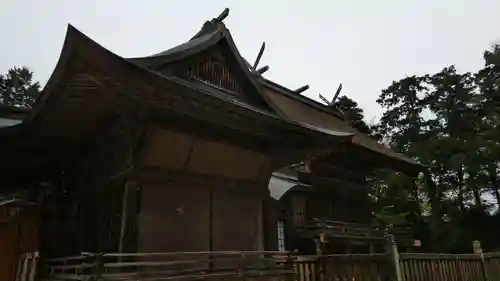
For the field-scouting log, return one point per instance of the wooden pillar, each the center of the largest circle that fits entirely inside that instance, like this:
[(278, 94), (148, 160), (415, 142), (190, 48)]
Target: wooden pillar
[(371, 248), (260, 226), (391, 250), (128, 192), (319, 251), (476, 247)]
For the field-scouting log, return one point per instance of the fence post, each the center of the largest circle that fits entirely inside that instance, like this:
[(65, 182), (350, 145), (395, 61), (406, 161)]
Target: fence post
[(476, 247), (98, 267), (391, 249)]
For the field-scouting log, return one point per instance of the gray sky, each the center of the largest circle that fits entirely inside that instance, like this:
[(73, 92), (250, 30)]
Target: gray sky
[(364, 44)]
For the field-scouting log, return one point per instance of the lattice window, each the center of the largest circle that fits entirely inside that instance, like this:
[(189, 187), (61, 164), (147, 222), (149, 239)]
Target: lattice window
[(281, 236), (215, 73), (299, 211)]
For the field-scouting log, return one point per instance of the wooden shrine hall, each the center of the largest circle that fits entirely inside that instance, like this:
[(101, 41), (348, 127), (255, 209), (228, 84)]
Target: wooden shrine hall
[(323, 203), (166, 153)]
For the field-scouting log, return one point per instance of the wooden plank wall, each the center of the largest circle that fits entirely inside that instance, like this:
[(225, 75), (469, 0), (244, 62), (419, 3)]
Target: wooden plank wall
[(8, 250), (18, 235)]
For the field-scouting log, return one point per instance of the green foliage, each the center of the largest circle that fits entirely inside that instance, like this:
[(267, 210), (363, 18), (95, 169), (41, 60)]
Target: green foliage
[(354, 114), (393, 202), (448, 121), (18, 89)]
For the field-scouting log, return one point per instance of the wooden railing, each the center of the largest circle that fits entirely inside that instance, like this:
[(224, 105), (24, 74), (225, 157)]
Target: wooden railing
[(354, 230), (171, 266), (306, 268), (276, 266)]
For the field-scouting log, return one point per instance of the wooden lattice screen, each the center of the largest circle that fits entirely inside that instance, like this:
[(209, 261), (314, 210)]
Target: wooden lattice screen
[(215, 73)]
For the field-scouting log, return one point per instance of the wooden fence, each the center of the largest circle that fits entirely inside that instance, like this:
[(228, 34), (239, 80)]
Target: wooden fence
[(395, 266), (26, 267), (492, 265), (173, 266), (441, 267), (342, 268), (276, 266)]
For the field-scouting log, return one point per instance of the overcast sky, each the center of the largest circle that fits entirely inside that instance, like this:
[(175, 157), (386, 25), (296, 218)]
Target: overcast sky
[(363, 44)]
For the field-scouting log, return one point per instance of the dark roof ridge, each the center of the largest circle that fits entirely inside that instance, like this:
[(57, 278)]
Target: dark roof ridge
[(212, 25), (291, 94)]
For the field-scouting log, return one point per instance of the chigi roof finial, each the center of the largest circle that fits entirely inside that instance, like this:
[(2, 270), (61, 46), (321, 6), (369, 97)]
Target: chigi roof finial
[(223, 15)]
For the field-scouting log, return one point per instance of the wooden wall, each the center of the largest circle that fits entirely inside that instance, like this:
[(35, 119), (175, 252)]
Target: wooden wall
[(181, 152), (237, 221), (189, 194), (82, 213), (173, 218), (199, 194), (339, 192), (183, 217), (18, 235)]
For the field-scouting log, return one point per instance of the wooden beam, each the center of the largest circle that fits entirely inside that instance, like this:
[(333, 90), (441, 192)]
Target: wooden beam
[(337, 93), (259, 56), (123, 227), (150, 174), (324, 100), (263, 69), (334, 170), (301, 89), (223, 15)]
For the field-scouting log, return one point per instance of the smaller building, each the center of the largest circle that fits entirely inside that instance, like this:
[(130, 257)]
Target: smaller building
[(18, 233), (316, 217), (10, 116), (323, 204)]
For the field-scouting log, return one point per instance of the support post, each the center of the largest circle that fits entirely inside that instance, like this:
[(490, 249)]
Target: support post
[(319, 262), (124, 215), (97, 267), (478, 250), (371, 248), (391, 249), (318, 247)]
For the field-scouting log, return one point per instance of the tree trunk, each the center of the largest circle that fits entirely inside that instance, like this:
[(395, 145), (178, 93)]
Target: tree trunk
[(476, 190), (460, 186), (495, 183), (434, 196), (496, 191), (417, 199), (477, 197), (477, 193)]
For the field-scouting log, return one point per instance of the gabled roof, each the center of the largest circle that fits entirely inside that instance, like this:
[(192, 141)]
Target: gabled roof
[(118, 80), (307, 111), (310, 102), (283, 106), (303, 109), (212, 33)]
